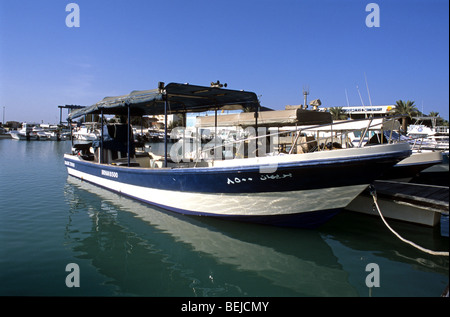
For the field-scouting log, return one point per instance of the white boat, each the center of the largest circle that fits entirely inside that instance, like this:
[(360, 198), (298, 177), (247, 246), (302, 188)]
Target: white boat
[(383, 130), (409, 202), (301, 190), (88, 132), (429, 137), (25, 133)]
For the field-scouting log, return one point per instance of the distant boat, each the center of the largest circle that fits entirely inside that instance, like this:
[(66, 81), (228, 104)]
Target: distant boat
[(48, 136), (88, 132), (25, 133), (301, 190), (426, 138)]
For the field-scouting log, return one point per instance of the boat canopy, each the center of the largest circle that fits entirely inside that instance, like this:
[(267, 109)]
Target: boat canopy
[(275, 118), (180, 98)]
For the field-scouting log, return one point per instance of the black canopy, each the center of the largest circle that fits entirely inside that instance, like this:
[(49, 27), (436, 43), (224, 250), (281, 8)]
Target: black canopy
[(180, 98)]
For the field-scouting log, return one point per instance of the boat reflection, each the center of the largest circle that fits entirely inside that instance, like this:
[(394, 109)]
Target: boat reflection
[(146, 251), (148, 240)]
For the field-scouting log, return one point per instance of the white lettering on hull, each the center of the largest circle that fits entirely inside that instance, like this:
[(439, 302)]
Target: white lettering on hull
[(110, 174)]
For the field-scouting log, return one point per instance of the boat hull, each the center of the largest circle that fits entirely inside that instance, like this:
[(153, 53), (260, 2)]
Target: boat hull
[(22, 136), (410, 167), (297, 192)]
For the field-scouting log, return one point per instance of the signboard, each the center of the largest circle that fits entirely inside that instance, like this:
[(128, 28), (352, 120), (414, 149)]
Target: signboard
[(368, 109)]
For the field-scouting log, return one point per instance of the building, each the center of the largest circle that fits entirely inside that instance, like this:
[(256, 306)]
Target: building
[(361, 112)]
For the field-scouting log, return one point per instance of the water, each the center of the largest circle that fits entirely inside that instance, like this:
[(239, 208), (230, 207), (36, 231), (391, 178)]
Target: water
[(125, 248)]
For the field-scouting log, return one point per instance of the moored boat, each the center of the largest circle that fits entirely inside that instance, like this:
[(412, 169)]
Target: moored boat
[(25, 133), (301, 190)]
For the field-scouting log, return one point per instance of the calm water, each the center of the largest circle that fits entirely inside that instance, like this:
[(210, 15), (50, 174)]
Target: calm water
[(125, 248)]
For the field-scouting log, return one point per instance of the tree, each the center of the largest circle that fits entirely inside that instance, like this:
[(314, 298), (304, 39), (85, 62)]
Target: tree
[(407, 110), (337, 113)]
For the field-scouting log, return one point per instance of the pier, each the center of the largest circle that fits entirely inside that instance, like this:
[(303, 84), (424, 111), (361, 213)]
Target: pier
[(416, 203)]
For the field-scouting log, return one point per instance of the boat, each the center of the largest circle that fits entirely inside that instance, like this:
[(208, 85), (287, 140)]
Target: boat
[(368, 132), (299, 190), (25, 133), (437, 174), (427, 135), (87, 133), (409, 168), (421, 204)]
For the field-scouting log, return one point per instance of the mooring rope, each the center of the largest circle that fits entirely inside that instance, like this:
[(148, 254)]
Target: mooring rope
[(374, 195)]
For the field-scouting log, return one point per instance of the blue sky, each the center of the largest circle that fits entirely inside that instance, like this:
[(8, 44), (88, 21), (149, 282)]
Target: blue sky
[(271, 47)]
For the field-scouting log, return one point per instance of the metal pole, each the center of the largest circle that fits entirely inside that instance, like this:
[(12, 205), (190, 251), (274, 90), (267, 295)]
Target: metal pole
[(165, 131), (69, 121), (216, 150), (364, 133), (101, 140), (128, 136), (256, 125)]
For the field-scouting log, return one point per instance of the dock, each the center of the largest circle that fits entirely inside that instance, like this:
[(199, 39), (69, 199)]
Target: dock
[(416, 203)]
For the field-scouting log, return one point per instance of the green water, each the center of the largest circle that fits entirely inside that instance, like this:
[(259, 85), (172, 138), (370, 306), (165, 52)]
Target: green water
[(125, 248)]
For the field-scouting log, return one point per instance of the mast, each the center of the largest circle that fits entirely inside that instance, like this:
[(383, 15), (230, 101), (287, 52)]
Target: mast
[(362, 103), (368, 92)]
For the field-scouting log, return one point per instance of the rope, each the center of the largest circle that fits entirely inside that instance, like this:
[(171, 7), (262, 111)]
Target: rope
[(374, 195)]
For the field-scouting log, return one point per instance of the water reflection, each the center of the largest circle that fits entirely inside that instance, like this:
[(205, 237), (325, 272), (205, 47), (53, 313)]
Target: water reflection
[(150, 247), (148, 252)]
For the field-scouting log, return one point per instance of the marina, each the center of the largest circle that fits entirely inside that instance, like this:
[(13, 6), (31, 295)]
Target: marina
[(110, 235), (126, 248), (224, 156)]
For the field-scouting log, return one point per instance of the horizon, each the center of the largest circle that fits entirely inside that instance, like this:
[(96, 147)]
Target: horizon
[(344, 53)]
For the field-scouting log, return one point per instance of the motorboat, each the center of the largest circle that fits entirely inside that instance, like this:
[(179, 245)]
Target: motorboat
[(240, 181), (25, 133), (87, 133)]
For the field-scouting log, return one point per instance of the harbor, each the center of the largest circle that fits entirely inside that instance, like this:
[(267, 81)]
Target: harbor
[(224, 156), (414, 190), (216, 256), (126, 248)]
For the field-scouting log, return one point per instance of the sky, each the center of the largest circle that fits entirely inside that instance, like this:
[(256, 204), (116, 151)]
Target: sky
[(275, 48)]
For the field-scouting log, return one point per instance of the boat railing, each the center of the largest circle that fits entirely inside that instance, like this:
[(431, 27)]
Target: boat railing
[(309, 138), (265, 141)]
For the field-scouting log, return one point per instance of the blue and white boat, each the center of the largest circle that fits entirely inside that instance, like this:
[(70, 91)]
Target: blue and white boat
[(301, 190)]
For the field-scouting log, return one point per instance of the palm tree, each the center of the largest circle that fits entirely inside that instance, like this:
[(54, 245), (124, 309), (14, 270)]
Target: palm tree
[(433, 114), (407, 110), (337, 113)]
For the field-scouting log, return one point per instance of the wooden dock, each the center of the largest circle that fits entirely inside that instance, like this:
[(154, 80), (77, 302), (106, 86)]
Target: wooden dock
[(430, 196), (416, 203)]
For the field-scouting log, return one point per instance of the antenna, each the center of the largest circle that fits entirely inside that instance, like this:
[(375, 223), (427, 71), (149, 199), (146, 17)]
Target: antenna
[(365, 113), (346, 96), (305, 94), (368, 92)]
